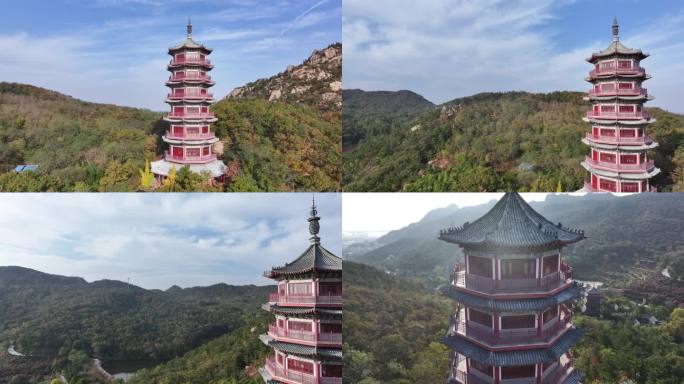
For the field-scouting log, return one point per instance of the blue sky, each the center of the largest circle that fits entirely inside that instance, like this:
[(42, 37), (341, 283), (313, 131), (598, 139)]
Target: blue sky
[(115, 51), (158, 240), (445, 49)]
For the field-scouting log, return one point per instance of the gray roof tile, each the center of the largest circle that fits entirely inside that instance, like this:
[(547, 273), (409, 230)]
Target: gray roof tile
[(513, 305)]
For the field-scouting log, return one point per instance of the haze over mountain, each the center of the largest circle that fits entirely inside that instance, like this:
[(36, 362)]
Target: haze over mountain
[(484, 142)]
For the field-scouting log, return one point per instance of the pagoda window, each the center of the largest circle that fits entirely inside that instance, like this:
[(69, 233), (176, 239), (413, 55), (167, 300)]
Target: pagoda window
[(192, 110), (178, 111), (627, 133), (192, 130), (607, 157), (517, 322), (608, 132), (281, 323), (518, 269), (331, 328), (628, 159), (193, 73), (594, 181), (192, 56), (607, 108), (205, 151), (300, 366), (280, 359), (329, 370), (299, 326), (329, 289), (608, 65), (550, 264), (629, 187), (625, 64), (608, 185), (485, 369), (178, 92), (177, 151), (480, 318), (643, 186), (607, 86), (595, 130), (299, 289), (550, 314), (180, 56), (177, 130), (205, 129), (192, 152), (594, 155), (518, 372), (480, 266), (205, 109), (627, 108), (625, 85)]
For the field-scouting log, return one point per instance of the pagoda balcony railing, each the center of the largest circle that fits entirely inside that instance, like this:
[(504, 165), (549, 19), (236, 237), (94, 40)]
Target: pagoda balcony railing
[(181, 96), (185, 135), (463, 377), (619, 139), (326, 337), (618, 115), (641, 167), (590, 188), (186, 76), (617, 71), (305, 299), (512, 336), (619, 92), (489, 285), (186, 60), (183, 115), (189, 159)]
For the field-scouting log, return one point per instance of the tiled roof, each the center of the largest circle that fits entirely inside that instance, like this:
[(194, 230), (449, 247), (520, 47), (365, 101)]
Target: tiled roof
[(515, 358), (574, 378), (189, 43), (305, 310), (305, 350), (315, 258), (616, 47), (512, 223), (513, 305)]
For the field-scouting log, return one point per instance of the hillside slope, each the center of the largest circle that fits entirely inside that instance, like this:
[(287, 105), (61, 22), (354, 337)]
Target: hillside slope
[(54, 316), (490, 142)]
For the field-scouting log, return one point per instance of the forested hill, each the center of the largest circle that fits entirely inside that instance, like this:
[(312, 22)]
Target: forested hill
[(489, 142), (54, 317), (376, 113), (622, 233), (393, 328), (286, 144)]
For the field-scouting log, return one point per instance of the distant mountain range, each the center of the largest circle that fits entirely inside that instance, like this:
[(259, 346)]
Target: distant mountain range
[(278, 134), (398, 141), (50, 317), (622, 233)]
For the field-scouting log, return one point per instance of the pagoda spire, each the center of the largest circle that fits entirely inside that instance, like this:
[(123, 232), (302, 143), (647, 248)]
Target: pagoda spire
[(189, 27), (313, 220), (616, 30)]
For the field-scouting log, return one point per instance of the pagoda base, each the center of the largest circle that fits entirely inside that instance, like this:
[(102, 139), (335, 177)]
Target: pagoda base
[(162, 167)]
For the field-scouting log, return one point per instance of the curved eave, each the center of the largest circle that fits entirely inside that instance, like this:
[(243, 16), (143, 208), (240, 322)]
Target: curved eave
[(643, 98), (213, 140), (622, 175), (516, 357), (171, 83), (513, 249), (591, 78), (307, 351), (621, 147), (171, 67), (573, 292), (184, 120), (631, 53), (594, 120), (277, 274), (207, 100), (306, 311)]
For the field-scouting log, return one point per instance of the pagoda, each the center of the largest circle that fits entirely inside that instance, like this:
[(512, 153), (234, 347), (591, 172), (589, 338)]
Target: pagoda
[(618, 141), (512, 323), (306, 335), (190, 137)]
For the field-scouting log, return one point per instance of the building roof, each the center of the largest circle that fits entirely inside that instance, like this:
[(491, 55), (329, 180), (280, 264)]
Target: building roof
[(515, 358), (26, 167), (306, 350), (189, 42), (616, 47), (513, 305), (575, 377), (315, 259), (512, 224)]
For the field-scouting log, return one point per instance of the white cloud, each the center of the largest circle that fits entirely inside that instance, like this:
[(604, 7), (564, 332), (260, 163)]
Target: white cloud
[(445, 49), (161, 240)]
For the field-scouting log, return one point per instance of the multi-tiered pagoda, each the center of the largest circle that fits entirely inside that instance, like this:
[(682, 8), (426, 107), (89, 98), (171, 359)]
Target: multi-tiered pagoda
[(190, 137), (618, 141), (307, 333), (512, 323)]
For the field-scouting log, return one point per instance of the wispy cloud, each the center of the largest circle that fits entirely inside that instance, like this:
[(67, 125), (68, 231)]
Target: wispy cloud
[(445, 49), (161, 240), (301, 16)]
